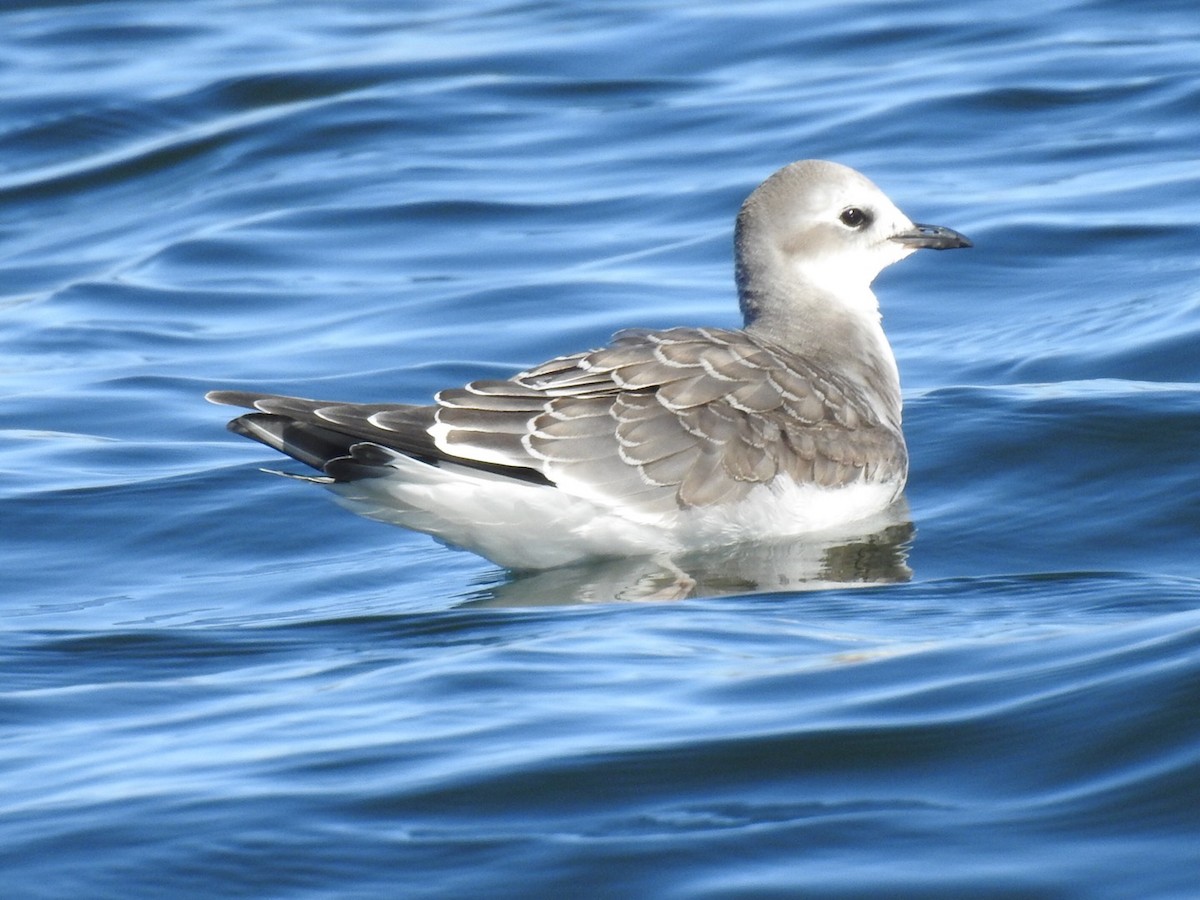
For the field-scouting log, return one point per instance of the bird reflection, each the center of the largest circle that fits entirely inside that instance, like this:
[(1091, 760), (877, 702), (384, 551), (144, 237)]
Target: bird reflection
[(875, 558)]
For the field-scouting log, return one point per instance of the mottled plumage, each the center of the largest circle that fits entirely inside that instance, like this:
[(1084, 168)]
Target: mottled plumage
[(665, 439)]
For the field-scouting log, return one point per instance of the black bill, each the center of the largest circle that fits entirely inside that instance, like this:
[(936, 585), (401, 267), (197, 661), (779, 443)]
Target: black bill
[(934, 237)]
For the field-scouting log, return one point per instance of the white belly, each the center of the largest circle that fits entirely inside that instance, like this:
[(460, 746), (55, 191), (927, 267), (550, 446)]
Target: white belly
[(527, 526)]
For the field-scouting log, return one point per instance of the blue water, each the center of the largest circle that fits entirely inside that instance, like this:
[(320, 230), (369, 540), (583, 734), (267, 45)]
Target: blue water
[(217, 683)]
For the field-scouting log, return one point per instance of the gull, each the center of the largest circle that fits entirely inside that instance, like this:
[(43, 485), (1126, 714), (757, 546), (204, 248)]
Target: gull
[(665, 440)]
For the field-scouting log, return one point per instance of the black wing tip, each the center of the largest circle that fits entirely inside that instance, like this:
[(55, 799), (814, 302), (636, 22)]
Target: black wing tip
[(242, 425), (349, 453), (310, 444)]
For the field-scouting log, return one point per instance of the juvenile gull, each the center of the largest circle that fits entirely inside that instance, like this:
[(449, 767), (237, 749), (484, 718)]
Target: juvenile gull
[(663, 441)]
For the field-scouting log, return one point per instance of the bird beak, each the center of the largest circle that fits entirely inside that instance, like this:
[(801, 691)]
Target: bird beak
[(935, 237)]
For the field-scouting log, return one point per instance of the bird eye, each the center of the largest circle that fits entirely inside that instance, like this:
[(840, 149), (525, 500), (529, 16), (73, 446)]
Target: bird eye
[(853, 217)]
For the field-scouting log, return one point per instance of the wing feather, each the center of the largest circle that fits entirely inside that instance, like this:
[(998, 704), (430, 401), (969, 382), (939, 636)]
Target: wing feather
[(657, 420)]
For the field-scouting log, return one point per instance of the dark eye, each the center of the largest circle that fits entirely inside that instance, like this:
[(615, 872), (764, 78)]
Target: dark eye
[(853, 217)]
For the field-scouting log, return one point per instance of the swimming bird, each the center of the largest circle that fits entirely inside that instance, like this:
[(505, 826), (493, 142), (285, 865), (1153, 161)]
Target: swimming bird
[(664, 440)]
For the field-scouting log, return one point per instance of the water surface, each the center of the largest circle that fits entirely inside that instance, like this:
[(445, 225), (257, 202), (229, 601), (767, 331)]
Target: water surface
[(217, 683)]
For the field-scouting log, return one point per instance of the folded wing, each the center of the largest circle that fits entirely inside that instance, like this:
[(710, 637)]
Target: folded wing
[(656, 421)]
